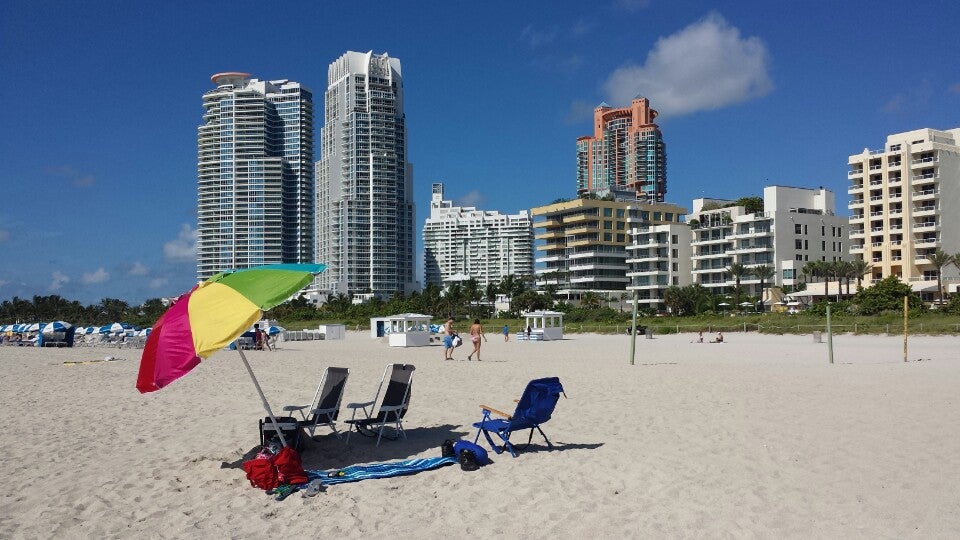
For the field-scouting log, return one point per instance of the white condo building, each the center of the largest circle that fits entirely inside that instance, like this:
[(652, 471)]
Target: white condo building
[(255, 190), (658, 257), (463, 242), (905, 204), (797, 225), (365, 206)]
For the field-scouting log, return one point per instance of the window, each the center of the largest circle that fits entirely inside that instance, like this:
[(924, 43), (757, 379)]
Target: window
[(798, 244), (798, 229), (675, 267), (799, 257), (608, 237), (674, 240), (668, 216), (620, 213), (788, 273), (823, 230), (607, 212), (806, 229), (620, 225), (675, 253), (656, 216), (806, 244), (621, 238), (823, 245), (608, 225)]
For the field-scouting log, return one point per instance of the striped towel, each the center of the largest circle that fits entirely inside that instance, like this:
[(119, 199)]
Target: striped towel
[(355, 473)]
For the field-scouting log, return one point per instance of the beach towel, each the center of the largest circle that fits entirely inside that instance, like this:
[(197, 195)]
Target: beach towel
[(355, 473)]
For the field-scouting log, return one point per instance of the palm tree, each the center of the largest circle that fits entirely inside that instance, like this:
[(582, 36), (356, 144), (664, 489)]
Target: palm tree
[(844, 270), (939, 259), (860, 268), (737, 270), (591, 299), (763, 273)]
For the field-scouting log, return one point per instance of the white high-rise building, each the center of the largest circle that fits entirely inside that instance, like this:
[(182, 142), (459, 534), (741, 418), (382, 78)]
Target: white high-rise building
[(365, 206), (461, 242), (657, 258), (797, 225), (905, 200), (255, 190)]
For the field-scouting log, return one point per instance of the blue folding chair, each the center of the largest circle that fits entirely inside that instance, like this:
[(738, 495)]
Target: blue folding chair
[(534, 408)]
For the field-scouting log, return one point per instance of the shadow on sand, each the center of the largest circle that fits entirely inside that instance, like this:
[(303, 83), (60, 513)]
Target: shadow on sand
[(329, 452)]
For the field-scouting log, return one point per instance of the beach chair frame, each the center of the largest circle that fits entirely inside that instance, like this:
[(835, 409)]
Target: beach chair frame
[(325, 407), (393, 405)]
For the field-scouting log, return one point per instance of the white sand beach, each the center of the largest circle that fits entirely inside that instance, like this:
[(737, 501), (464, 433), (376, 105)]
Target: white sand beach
[(756, 437)]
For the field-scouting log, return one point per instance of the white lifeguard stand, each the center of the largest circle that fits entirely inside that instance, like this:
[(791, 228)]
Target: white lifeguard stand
[(544, 325), (403, 330)]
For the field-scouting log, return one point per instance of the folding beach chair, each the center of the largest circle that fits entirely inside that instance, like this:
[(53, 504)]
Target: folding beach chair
[(534, 408), (326, 402), (392, 406)]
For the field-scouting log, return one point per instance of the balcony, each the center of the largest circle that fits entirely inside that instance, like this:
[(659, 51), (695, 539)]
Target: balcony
[(856, 188), (855, 203), (854, 173), (926, 194), (856, 248), (920, 178), (921, 161), (925, 226), (856, 232), (856, 218)]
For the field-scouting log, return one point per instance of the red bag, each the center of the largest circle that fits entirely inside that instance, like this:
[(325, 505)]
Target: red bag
[(261, 473), (268, 472), (289, 468)]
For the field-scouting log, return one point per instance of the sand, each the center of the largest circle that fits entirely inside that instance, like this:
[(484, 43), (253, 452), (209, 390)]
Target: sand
[(756, 437)]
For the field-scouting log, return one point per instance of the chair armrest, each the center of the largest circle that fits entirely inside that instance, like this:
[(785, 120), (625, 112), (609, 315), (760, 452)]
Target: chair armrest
[(291, 408), (501, 413), (363, 405)]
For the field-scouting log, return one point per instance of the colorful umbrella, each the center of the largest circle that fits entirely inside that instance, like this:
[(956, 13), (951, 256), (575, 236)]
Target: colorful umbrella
[(213, 314)]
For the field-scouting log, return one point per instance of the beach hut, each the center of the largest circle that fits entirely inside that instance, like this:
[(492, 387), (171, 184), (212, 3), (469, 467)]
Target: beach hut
[(544, 325), (333, 331), (403, 330)]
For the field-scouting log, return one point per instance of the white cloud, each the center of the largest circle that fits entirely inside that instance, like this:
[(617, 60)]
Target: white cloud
[(98, 276), (474, 198), (156, 283), (138, 269), (59, 280), (4, 235), (705, 66), (75, 177), (184, 248), (538, 37)]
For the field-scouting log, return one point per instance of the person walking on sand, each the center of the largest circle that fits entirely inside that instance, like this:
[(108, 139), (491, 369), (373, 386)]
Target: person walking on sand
[(476, 333), (448, 339), (506, 333)]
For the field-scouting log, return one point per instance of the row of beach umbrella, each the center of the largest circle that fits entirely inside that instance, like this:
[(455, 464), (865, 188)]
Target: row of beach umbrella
[(61, 326)]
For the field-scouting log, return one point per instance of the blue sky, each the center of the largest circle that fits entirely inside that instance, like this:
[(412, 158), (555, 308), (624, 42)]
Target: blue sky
[(102, 101)]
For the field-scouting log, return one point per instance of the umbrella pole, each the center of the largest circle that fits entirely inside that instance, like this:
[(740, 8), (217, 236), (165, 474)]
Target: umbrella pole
[(266, 405)]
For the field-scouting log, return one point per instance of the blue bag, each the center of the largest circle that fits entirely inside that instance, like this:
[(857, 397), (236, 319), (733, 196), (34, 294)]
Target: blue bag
[(471, 456)]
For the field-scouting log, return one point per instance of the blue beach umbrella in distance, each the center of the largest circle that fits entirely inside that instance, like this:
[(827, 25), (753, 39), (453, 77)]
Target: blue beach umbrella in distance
[(56, 326), (274, 330)]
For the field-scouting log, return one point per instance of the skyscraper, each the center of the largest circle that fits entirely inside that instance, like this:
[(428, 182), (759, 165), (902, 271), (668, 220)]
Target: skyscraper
[(626, 152), (364, 184), (255, 191), (481, 244)]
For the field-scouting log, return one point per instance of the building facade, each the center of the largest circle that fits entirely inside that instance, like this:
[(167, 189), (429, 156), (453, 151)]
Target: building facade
[(905, 205), (658, 257), (365, 206), (626, 151), (483, 245), (581, 244), (797, 225), (255, 190)]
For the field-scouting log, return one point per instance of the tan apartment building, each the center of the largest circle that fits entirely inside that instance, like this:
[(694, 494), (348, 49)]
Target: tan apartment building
[(905, 204), (581, 243)]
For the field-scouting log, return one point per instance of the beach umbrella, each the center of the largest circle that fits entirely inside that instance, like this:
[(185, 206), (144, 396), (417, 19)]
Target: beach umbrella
[(115, 328), (213, 314), (35, 327), (56, 326), (723, 304), (274, 330), (144, 332)]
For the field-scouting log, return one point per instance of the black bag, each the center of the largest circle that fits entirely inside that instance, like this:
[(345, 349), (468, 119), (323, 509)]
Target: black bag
[(288, 426), (446, 449)]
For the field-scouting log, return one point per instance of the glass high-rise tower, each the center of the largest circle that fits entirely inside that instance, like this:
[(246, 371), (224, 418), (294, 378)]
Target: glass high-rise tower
[(625, 153), (255, 191), (365, 203)]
